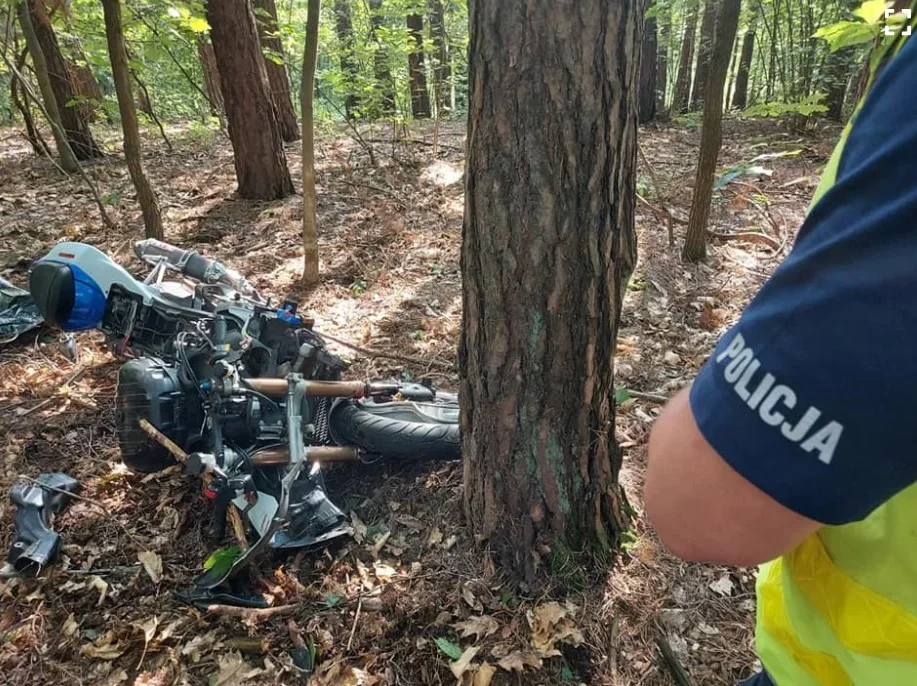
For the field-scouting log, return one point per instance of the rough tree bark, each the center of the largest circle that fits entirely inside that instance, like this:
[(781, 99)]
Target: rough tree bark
[(307, 101), (682, 91), (344, 27), (65, 153), (646, 98), (727, 21), (261, 167), (442, 69), (384, 85), (146, 196), (704, 48), (211, 77), (740, 95), (279, 82), (420, 97), (77, 128), (548, 245), (836, 78)]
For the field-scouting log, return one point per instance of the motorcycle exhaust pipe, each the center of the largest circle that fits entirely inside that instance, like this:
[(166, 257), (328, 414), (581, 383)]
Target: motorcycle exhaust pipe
[(280, 457)]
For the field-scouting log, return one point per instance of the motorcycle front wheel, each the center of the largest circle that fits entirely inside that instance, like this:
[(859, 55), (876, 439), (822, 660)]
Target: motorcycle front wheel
[(400, 429)]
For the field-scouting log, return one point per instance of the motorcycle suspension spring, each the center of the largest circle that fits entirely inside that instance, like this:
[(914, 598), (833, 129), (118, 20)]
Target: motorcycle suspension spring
[(322, 424)]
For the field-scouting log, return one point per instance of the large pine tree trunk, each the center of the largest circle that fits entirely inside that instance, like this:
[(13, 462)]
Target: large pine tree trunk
[(682, 90), (64, 151), (740, 96), (266, 16), (646, 99), (77, 128), (261, 167), (442, 69), (420, 97), (344, 27), (704, 48), (547, 247), (712, 132), (385, 86), (146, 196)]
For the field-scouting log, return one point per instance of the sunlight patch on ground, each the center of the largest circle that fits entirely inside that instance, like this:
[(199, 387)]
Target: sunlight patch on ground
[(442, 173)]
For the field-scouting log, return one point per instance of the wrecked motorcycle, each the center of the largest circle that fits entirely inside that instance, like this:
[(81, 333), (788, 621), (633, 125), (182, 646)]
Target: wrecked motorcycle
[(248, 391)]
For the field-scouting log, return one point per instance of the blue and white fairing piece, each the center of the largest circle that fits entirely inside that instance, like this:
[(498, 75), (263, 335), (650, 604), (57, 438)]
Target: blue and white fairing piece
[(71, 283)]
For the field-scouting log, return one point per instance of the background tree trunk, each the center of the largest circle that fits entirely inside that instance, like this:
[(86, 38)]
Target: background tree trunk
[(307, 101), (279, 82), (731, 72), (682, 92), (77, 128), (261, 167), (663, 41), (538, 337), (344, 28), (712, 133), (114, 33), (385, 86), (442, 69), (211, 77), (704, 48), (646, 99), (66, 154), (22, 104), (740, 96), (86, 87), (837, 74), (420, 97)]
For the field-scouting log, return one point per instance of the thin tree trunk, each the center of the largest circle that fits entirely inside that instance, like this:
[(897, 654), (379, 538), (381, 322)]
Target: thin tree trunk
[(540, 479), (442, 68), (65, 153), (646, 99), (385, 86), (733, 65), (740, 96), (278, 80), (680, 97), (837, 70), (76, 127), (704, 49), (211, 73), (34, 137), (261, 167), (344, 27), (146, 196), (695, 247), (663, 41), (307, 97), (420, 97)]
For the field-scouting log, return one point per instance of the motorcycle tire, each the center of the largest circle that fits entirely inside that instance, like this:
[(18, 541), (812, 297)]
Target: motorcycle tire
[(399, 429)]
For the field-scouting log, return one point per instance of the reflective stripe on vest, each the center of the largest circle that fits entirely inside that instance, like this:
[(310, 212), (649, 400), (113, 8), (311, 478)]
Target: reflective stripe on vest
[(804, 594)]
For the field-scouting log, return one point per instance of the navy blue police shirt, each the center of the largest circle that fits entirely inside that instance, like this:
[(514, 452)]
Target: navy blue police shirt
[(812, 395)]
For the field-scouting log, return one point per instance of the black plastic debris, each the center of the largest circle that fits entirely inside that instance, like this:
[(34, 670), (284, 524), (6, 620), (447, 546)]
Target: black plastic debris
[(18, 312)]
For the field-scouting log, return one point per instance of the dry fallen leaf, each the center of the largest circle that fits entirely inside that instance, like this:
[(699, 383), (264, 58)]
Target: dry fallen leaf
[(479, 627), (484, 674), (463, 664), (551, 624), (519, 661), (384, 572), (359, 528), (104, 648), (152, 563), (723, 586), (233, 670), (101, 586), (436, 536), (469, 597), (70, 626)]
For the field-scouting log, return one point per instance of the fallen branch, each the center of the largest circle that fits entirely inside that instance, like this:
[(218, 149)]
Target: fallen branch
[(251, 614), (652, 397), (746, 236), (682, 678), (353, 629), (390, 356), (660, 198), (164, 441)]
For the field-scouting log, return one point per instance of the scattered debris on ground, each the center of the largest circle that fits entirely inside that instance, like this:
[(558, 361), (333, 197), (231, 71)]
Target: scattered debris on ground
[(411, 599)]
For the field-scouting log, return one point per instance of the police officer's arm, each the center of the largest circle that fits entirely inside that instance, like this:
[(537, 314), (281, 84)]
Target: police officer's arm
[(704, 510), (806, 412)]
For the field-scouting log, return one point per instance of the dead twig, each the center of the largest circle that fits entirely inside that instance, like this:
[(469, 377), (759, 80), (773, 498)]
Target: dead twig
[(682, 678), (73, 377), (353, 629), (390, 356), (660, 197), (652, 397), (746, 236), (251, 614)]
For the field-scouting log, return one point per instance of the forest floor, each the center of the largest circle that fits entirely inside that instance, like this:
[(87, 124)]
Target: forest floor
[(390, 236)]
